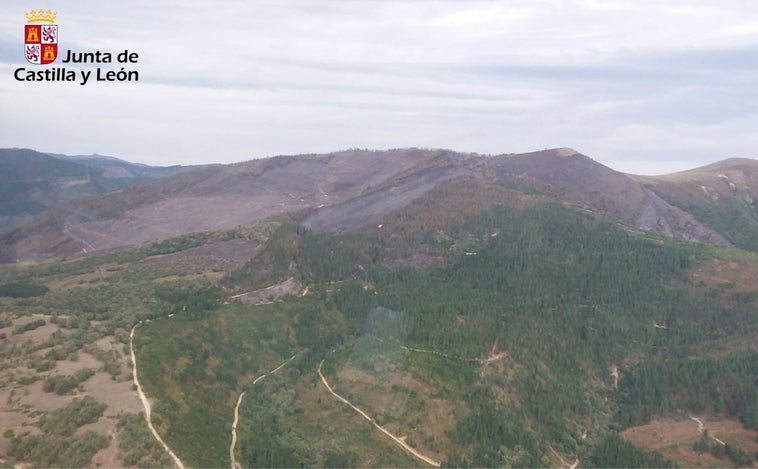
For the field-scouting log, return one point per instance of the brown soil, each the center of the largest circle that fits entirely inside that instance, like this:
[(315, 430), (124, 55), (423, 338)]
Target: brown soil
[(728, 281), (224, 256), (118, 396), (727, 276), (67, 367), (290, 286), (22, 409), (674, 438), (35, 336)]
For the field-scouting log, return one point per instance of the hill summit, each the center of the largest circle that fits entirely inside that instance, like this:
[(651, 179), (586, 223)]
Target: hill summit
[(354, 189)]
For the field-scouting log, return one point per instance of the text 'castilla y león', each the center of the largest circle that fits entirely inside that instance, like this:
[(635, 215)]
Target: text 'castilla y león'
[(84, 76)]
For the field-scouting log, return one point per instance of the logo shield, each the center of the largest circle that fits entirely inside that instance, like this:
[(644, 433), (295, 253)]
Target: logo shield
[(41, 40)]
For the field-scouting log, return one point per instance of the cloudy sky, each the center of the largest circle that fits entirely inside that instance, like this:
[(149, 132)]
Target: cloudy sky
[(642, 86)]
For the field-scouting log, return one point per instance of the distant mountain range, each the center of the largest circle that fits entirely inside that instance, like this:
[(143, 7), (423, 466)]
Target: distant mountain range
[(342, 191), (118, 169), (32, 182)]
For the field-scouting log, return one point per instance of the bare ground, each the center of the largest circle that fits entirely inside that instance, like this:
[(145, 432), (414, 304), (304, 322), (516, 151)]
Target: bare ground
[(21, 405), (223, 255), (35, 336), (674, 438), (354, 189), (291, 286)]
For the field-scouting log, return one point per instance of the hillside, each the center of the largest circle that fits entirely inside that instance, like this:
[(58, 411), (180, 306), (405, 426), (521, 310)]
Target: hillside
[(33, 182), (409, 308), (572, 177), (342, 191), (513, 332), (719, 195), (115, 168)]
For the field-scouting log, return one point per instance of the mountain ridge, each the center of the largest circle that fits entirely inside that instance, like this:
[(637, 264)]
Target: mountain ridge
[(33, 182), (354, 189), (117, 168)]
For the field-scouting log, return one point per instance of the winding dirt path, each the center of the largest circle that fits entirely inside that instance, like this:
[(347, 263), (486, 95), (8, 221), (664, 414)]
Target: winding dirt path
[(234, 463), (394, 438), (563, 462), (492, 357), (268, 295), (146, 403), (421, 350), (701, 429)]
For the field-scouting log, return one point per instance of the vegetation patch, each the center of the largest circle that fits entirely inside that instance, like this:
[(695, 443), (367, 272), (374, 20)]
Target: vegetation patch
[(65, 384), (22, 290), (680, 439), (57, 446), (137, 445)]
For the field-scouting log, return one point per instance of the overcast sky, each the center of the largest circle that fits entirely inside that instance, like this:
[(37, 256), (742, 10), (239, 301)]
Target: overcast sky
[(642, 86)]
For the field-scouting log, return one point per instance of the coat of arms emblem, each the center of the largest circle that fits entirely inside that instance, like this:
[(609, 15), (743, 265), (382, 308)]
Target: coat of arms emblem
[(41, 37)]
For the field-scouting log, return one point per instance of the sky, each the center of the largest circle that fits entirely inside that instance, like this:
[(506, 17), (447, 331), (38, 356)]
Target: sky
[(646, 87)]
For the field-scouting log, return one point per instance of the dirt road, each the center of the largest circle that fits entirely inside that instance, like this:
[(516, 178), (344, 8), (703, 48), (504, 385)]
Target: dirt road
[(146, 403), (563, 462), (234, 463), (394, 438), (268, 295), (701, 428)]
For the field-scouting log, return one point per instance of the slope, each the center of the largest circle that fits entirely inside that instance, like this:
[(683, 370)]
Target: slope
[(217, 198), (33, 182), (480, 325), (719, 195), (340, 191), (499, 354), (572, 177), (124, 172)]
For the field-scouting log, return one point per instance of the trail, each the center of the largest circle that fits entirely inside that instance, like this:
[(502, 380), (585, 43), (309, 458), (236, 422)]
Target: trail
[(146, 403), (421, 350), (563, 462), (701, 429), (234, 463), (494, 354), (67, 230), (394, 438), (267, 295), (264, 289)]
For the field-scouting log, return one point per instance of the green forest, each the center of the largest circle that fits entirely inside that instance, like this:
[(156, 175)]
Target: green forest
[(499, 353), (565, 294)]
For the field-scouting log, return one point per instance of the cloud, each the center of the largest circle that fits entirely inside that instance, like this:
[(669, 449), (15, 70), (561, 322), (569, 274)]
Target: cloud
[(483, 14), (232, 80), (742, 29)]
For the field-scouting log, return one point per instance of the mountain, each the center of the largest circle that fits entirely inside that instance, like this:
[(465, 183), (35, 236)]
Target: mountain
[(719, 195), (32, 182), (572, 177), (114, 168), (401, 308), (345, 191)]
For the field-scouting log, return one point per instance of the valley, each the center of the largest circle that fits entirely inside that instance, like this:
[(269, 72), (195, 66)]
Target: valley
[(391, 309)]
